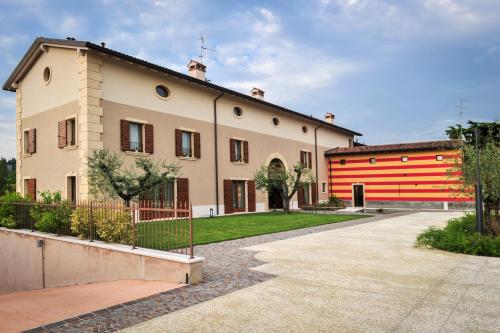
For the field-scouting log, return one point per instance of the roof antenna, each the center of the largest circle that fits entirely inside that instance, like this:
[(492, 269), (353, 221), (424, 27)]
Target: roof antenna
[(461, 107), (203, 47)]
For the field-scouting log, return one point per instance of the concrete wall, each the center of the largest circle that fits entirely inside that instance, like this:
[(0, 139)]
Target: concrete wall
[(70, 261)]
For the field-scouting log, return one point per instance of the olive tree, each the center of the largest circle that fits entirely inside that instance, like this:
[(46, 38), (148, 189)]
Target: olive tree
[(108, 178), (286, 181), (489, 163)]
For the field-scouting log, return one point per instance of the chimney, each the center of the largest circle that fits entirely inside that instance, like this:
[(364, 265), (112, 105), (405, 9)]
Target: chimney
[(197, 70), (257, 93), (329, 117)]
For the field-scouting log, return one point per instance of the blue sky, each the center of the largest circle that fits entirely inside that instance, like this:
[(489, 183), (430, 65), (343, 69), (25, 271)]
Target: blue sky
[(392, 70)]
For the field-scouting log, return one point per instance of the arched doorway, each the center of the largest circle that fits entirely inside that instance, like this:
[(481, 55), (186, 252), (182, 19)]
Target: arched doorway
[(275, 200)]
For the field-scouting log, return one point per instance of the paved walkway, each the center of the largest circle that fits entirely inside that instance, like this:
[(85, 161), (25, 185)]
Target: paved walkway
[(27, 309), (226, 269), (366, 277)]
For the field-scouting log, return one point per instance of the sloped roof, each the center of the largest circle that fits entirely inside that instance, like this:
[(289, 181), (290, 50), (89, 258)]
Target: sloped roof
[(34, 52), (399, 147)]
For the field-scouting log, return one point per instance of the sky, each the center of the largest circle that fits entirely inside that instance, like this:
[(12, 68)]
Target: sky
[(393, 70)]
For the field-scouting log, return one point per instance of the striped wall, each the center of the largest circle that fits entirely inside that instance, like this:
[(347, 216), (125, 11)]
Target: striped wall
[(422, 178)]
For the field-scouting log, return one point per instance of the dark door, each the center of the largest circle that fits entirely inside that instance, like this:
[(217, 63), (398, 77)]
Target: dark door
[(275, 200), (358, 196)]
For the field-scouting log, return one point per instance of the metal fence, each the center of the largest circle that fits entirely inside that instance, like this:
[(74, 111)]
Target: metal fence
[(145, 224)]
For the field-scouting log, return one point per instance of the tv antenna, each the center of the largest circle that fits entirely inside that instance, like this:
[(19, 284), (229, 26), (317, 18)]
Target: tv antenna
[(203, 48), (461, 109)]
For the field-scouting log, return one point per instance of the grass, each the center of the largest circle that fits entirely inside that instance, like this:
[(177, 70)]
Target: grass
[(460, 236), (211, 230)]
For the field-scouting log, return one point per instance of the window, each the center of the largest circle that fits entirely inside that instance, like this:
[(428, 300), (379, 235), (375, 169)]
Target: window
[(162, 91), (238, 112), (26, 142), (239, 195), (404, 158), (305, 129), (71, 188), (304, 157), (47, 75), (342, 162), (372, 160), (238, 150), (135, 136), (350, 143), (439, 157), (187, 149), (276, 121), (169, 195), (323, 187), (70, 132)]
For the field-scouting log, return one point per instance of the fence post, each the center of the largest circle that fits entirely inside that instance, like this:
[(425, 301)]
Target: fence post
[(91, 218), (191, 254), (134, 230)]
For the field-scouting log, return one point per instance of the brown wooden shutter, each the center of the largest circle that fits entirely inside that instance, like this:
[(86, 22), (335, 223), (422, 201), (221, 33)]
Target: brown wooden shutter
[(314, 190), (232, 152), (228, 196), (61, 134), (182, 192), (245, 151), (251, 195), (197, 145), (309, 156), (301, 158), (32, 189), (32, 141), (178, 142), (148, 138), (300, 197), (124, 135)]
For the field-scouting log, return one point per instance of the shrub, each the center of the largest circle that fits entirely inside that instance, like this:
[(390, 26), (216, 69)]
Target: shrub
[(111, 225), (460, 236), (52, 214), (12, 215), (333, 201)]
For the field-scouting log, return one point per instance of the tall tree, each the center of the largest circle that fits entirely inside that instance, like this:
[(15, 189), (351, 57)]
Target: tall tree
[(286, 182), (108, 178), (4, 174), (488, 131)]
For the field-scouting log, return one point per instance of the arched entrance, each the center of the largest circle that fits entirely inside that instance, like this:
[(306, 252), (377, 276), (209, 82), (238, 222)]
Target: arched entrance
[(275, 200)]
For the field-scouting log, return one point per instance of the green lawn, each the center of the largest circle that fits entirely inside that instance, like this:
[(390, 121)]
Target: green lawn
[(210, 230)]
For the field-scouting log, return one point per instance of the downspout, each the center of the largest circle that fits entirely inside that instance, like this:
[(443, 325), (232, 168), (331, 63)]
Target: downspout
[(216, 156), (316, 159)]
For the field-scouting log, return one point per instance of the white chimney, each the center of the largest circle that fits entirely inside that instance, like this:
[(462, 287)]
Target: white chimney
[(257, 93), (329, 117), (197, 70)]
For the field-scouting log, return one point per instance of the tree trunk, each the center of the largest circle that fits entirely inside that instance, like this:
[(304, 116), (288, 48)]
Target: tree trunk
[(286, 205)]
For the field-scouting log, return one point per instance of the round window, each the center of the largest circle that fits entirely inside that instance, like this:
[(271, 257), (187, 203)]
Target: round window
[(237, 111), (47, 74), (162, 91), (305, 129), (276, 121)]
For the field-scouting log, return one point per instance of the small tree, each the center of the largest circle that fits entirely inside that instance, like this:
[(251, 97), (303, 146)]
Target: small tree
[(286, 182), (489, 162), (107, 178)]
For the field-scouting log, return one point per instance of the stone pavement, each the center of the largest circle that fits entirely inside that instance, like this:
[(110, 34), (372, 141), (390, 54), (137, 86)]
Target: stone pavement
[(226, 269), (368, 277)]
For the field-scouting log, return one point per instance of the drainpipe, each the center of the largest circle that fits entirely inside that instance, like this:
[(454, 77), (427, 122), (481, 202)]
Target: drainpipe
[(316, 159), (216, 156)]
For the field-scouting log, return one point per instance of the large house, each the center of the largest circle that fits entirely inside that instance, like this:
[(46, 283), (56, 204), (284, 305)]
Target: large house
[(73, 97)]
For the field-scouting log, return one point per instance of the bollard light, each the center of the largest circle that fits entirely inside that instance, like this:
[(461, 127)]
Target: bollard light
[(211, 212)]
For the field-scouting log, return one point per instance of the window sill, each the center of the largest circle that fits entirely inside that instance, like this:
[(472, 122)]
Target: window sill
[(26, 155), (136, 153), (187, 158), (239, 162), (70, 147)]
